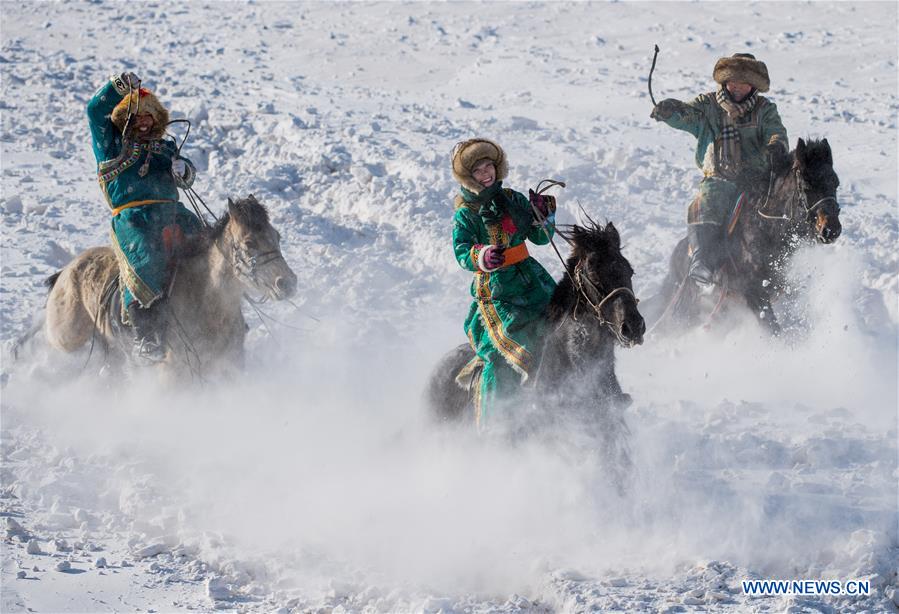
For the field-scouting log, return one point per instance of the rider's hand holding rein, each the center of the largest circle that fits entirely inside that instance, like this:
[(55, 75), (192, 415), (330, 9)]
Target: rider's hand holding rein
[(130, 80), (492, 257)]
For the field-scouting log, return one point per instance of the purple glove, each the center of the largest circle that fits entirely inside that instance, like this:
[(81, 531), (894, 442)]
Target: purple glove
[(543, 202), (493, 257)]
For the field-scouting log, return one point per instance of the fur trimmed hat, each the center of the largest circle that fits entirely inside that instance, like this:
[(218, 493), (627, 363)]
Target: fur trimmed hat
[(147, 103), (742, 67), (468, 153)]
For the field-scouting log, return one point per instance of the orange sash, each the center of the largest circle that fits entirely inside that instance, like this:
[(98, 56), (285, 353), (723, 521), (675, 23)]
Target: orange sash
[(516, 254), (138, 203)]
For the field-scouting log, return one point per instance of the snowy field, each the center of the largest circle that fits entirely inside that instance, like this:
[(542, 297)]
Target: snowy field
[(316, 483)]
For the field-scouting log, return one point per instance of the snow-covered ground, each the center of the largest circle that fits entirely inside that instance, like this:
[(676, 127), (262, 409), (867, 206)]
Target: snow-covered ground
[(316, 483)]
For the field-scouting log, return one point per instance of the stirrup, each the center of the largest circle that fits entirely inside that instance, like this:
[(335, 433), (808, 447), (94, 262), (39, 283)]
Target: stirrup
[(701, 274), (148, 352), (704, 281)]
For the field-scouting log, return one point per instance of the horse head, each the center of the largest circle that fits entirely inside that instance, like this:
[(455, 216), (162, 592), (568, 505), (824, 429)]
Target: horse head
[(602, 276), (252, 245), (813, 165)]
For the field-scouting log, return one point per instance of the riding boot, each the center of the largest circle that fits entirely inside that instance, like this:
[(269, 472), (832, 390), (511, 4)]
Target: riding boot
[(149, 332), (705, 252)]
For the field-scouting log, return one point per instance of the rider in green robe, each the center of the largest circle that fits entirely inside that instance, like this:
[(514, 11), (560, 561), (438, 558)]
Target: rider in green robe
[(507, 319), (737, 131), (140, 171)]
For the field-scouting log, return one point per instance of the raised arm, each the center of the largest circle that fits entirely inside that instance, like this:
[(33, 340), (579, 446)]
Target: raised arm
[(99, 108), (688, 117)]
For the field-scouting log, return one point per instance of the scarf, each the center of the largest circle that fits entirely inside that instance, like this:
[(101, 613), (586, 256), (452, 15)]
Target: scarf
[(493, 204), (729, 151)]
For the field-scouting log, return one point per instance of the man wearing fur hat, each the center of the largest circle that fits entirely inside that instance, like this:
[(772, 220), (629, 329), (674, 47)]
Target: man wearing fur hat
[(140, 172), (511, 291), (738, 133)]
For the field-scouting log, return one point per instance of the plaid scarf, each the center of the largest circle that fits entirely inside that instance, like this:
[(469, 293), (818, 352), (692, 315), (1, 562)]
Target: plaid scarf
[(729, 152)]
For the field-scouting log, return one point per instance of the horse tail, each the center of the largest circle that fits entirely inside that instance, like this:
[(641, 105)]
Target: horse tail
[(51, 281), (23, 339)]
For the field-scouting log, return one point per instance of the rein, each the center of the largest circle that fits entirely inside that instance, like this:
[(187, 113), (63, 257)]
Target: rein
[(577, 279)]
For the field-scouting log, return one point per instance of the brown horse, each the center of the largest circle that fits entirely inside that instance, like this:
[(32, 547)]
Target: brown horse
[(205, 330), (798, 208)]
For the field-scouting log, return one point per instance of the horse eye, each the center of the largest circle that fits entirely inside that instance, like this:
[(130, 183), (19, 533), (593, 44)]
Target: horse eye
[(250, 244)]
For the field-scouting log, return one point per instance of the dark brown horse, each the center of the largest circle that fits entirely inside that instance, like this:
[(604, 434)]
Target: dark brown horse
[(593, 310), (796, 208)]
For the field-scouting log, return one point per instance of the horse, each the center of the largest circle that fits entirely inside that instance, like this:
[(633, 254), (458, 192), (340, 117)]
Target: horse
[(593, 309), (237, 255), (799, 208)]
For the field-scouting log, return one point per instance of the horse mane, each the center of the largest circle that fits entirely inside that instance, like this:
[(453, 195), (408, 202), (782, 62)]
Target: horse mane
[(247, 211), (814, 158), (817, 164), (817, 151), (584, 240)]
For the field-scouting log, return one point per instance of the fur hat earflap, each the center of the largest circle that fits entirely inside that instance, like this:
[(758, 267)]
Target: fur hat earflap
[(468, 153), (143, 101), (742, 67)]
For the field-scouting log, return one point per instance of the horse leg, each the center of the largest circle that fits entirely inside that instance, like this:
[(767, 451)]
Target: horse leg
[(761, 307), (68, 324), (668, 303), (73, 304), (446, 400)]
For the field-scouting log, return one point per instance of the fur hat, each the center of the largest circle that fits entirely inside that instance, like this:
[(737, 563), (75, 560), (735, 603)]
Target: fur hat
[(468, 153), (149, 103), (742, 67)]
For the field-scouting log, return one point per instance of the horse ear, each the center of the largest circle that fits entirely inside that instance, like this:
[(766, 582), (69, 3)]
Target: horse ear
[(252, 198), (614, 237), (800, 149), (230, 206), (827, 151)]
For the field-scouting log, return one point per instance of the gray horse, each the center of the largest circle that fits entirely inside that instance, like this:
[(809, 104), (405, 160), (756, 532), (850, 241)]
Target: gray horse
[(206, 328)]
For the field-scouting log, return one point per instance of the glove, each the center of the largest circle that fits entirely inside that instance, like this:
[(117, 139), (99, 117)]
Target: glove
[(131, 79), (665, 109), (179, 168), (544, 203), (493, 257), (778, 157)]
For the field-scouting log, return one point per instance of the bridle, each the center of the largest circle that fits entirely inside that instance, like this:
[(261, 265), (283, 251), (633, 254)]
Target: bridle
[(798, 194), (577, 278), (580, 281), (247, 265)]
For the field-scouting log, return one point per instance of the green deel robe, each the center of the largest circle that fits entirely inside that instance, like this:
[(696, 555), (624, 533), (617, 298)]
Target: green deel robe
[(507, 319), (703, 117), (146, 237)]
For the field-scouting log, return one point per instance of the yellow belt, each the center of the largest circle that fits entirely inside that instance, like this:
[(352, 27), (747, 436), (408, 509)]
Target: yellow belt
[(138, 203)]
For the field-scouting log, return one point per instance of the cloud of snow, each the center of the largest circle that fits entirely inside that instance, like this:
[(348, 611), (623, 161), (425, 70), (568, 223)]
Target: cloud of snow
[(324, 452)]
